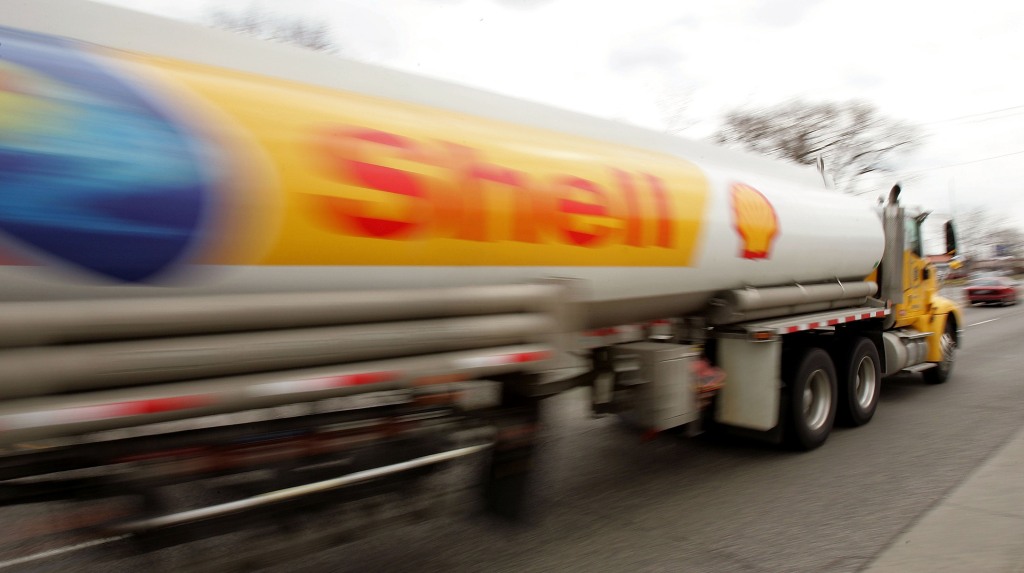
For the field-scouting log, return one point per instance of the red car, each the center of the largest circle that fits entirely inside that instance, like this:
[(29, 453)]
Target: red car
[(991, 290)]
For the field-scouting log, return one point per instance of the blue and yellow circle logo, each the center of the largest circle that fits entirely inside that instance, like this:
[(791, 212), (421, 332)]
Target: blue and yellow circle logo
[(92, 172)]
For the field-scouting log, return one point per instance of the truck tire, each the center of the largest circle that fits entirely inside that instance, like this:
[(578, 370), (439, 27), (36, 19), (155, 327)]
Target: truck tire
[(859, 376), (942, 370), (810, 401)]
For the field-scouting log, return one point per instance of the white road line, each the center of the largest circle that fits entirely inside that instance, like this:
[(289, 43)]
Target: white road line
[(983, 322), (995, 319)]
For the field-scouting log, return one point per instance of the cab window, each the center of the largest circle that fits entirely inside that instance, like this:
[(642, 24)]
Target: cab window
[(912, 237)]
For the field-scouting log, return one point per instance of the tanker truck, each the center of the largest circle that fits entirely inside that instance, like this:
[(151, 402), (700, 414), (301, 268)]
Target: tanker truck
[(301, 283)]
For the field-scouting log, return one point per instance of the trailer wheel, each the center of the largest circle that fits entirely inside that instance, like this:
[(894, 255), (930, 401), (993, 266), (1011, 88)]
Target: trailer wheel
[(859, 375), (940, 373), (811, 399)]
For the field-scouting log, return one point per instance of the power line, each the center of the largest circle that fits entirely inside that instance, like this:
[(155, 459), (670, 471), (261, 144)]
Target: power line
[(916, 171), (984, 113), (980, 160)]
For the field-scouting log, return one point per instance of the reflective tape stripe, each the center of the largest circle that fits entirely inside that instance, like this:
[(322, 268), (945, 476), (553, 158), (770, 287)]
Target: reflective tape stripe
[(623, 329), (503, 359), (124, 409), (789, 329), (104, 411), (158, 405), (323, 383), (535, 356)]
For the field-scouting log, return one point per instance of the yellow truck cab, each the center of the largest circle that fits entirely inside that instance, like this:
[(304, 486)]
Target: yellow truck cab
[(910, 285)]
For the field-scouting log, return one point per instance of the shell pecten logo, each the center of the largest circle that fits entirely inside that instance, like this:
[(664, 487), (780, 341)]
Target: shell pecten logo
[(755, 221)]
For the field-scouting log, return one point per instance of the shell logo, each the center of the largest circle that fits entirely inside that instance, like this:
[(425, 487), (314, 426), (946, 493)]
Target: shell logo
[(95, 173), (755, 221)]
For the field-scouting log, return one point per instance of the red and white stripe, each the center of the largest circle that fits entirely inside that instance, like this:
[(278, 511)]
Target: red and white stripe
[(613, 335), (323, 383), (94, 412), (831, 322), (503, 359), (124, 409)]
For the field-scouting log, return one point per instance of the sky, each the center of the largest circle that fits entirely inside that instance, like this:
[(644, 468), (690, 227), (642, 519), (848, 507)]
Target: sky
[(950, 68)]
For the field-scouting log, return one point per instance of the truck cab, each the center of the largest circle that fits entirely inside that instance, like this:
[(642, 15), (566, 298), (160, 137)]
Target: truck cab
[(910, 285)]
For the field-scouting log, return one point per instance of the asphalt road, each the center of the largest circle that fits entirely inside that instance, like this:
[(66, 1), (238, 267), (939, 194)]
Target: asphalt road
[(610, 502)]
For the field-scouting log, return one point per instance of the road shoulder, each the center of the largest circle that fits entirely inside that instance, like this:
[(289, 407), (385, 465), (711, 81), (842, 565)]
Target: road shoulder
[(978, 527)]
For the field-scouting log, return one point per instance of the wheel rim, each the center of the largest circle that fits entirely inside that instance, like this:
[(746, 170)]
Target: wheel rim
[(948, 344), (816, 400), (866, 383)]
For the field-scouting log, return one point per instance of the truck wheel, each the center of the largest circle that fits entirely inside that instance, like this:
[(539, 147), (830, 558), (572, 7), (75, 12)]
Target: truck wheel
[(811, 403), (940, 373), (859, 375)]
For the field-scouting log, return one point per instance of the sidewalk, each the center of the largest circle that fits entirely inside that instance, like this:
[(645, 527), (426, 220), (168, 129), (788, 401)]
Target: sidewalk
[(979, 527)]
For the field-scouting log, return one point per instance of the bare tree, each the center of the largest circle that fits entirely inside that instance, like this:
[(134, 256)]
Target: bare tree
[(983, 235), (673, 108), (255, 22), (853, 138)]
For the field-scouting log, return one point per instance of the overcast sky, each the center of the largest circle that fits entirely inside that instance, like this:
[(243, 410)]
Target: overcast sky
[(670, 64)]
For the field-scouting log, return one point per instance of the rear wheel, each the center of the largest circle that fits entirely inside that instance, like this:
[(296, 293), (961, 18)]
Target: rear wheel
[(811, 405), (942, 370), (859, 376)]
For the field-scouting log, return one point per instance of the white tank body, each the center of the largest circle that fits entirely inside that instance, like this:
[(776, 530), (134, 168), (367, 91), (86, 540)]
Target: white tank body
[(240, 166)]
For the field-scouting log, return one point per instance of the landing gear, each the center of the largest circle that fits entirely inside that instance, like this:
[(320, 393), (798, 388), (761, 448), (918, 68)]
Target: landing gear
[(506, 480)]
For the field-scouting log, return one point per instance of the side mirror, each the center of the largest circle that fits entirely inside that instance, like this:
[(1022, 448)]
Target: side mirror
[(950, 238)]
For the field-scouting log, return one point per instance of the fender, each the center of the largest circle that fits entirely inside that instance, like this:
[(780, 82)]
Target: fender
[(942, 311)]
